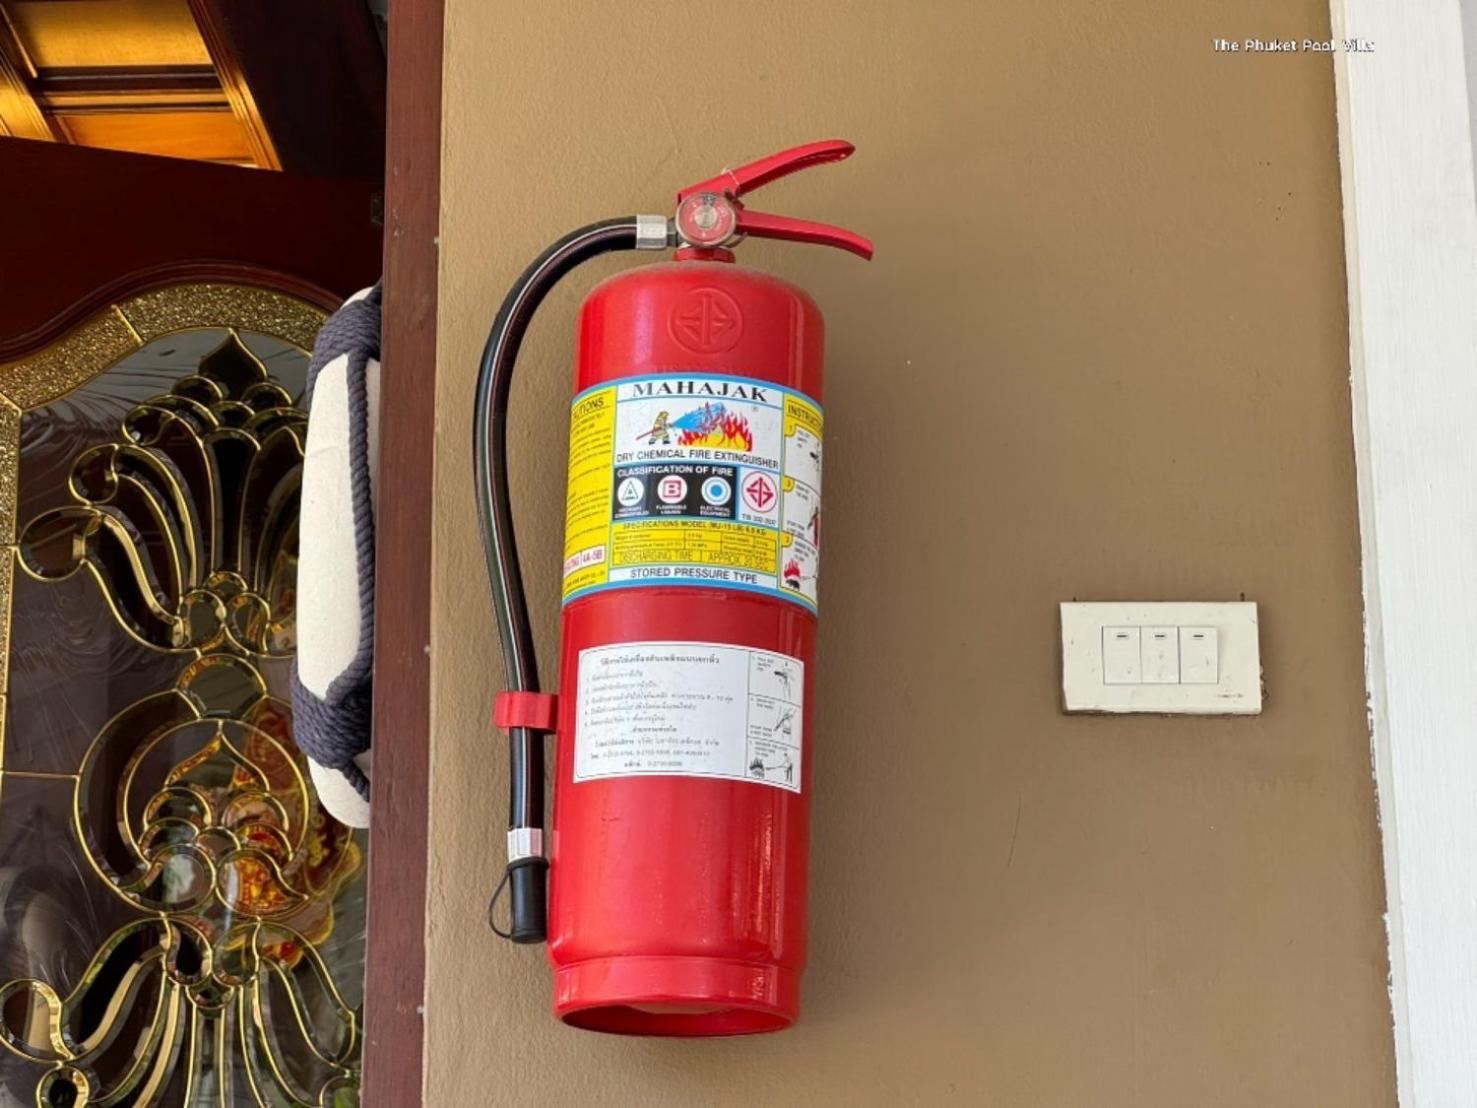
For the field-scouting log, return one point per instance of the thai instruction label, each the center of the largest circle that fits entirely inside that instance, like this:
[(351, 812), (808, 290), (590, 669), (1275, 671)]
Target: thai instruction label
[(689, 709), (694, 479)]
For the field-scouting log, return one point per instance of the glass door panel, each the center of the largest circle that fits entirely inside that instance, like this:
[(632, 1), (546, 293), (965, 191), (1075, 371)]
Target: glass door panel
[(180, 921)]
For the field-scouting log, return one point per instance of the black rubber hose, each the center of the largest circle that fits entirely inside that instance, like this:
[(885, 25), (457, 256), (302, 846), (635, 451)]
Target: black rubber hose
[(525, 877)]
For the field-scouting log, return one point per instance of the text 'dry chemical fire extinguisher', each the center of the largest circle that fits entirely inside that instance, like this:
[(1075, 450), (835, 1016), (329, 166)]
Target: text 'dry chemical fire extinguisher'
[(677, 859)]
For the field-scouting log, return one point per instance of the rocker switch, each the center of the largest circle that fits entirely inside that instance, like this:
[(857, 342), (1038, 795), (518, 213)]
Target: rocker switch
[(1121, 665), (1200, 656), (1161, 656)]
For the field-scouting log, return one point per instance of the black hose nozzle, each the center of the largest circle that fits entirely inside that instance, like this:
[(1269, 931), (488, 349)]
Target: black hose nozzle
[(527, 903)]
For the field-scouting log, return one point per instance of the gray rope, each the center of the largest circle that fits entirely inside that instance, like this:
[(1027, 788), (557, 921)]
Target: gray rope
[(336, 727), (332, 734)]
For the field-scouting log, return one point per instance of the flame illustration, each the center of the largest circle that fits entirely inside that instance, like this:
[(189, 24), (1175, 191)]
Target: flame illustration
[(720, 430), (792, 573)]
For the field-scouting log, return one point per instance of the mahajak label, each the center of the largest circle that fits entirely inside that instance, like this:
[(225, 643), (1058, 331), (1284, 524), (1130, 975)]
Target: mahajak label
[(688, 709), (694, 479)]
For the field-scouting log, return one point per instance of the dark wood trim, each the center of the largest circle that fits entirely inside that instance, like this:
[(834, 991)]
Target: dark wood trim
[(112, 80), (309, 76), (167, 84), (20, 115), (134, 105), (13, 47), (396, 971), (233, 84)]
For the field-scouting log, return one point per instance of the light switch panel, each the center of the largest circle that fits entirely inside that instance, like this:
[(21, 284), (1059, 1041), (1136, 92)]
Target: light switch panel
[(1161, 657)]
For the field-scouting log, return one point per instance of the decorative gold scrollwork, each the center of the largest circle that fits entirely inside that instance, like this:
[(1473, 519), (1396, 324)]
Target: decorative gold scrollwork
[(207, 1007), (189, 523), (192, 805)]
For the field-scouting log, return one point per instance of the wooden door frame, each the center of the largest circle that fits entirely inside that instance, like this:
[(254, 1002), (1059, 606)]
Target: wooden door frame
[(1410, 220), (395, 971)]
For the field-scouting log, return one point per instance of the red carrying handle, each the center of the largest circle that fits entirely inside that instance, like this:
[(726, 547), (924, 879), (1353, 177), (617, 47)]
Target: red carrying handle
[(734, 183)]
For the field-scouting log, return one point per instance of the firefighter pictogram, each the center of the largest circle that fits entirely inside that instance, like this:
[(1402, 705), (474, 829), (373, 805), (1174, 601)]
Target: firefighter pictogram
[(660, 431), (710, 425)]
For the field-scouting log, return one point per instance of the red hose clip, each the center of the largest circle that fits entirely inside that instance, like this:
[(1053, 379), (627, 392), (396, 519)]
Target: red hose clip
[(535, 711)]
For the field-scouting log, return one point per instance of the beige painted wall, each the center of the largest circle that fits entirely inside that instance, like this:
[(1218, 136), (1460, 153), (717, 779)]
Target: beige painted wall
[(1101, 354)]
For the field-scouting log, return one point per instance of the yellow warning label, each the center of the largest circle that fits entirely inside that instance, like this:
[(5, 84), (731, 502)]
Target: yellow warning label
[(587, 503), (694, 542), (800, 414), (698, 479)]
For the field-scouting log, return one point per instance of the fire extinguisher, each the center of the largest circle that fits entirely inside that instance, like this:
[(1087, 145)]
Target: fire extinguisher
[(677, 860)]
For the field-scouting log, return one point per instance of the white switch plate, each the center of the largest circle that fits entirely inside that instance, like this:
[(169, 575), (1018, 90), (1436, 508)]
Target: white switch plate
[(1191, 658)]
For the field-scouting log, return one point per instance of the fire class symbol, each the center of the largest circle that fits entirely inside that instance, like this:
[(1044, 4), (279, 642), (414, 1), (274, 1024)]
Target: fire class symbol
[(706, 321), (672, 489), (630, 492), (759, 492), (717, 491)]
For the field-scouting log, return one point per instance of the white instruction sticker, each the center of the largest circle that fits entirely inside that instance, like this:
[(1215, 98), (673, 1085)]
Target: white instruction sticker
[(689, 709)]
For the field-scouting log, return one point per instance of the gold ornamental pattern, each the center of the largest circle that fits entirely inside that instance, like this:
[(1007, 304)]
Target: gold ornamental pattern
[(191, 806)]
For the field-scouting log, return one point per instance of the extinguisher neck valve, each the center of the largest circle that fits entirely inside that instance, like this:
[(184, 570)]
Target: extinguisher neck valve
[(710, 215)]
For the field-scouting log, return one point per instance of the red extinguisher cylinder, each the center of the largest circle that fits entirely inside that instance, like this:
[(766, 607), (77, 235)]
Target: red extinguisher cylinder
[(678, 903), (678, 856)]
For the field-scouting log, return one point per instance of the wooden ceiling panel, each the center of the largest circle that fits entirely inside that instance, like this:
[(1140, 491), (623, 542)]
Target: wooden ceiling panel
[(279, 84), (65, 34), (205, 135)]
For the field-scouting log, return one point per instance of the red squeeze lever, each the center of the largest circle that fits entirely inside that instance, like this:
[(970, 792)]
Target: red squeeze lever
[(710, 215)]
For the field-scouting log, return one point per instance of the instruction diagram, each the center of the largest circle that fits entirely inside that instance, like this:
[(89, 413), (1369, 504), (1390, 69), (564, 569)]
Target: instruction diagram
[(686, 709)]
